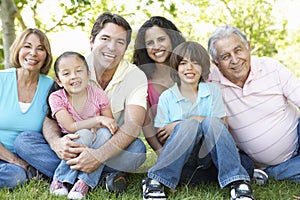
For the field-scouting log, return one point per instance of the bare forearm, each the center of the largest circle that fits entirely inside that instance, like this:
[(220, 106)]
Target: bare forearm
[(9, 157), (151, 137), (51, 132), (83, 124)]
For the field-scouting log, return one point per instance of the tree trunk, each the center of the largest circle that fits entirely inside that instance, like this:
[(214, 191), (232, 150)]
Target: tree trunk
[(8, 14)]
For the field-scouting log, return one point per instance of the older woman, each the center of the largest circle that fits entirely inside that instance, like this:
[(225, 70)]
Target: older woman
[(23, 94)]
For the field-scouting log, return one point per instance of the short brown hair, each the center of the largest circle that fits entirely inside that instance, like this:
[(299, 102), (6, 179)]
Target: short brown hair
[(19, 42), (108, 17), (193, 51)]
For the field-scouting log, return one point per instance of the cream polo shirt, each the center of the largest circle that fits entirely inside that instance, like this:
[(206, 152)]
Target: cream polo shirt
[(263, 115), (127, 87)]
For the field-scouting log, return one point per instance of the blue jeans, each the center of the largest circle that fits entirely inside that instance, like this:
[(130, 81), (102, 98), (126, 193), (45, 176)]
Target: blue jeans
[(11, 175), (216, 142), (34, 149), (290, 169), (65, 174)]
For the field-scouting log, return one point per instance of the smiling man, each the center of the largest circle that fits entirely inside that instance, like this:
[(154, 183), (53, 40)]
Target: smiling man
[(261, 98), (126, 87)]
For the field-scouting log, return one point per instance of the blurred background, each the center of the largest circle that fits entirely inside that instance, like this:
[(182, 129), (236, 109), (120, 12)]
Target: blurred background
[(272, 26)]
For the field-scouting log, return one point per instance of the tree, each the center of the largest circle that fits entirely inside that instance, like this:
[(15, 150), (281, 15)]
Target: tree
[(8, 14), (196, 19), (72, 15)]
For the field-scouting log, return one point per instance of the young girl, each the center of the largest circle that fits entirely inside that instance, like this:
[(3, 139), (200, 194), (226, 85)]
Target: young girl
[(80, 109), (194, 110)]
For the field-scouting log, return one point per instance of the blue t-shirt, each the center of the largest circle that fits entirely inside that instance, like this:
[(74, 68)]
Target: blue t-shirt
[(172, 106), (12, 120)]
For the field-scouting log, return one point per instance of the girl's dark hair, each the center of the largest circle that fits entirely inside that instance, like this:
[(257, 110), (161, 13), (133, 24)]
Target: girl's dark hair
[(55, 86), (194, 52), (140, 55), (65, 55)]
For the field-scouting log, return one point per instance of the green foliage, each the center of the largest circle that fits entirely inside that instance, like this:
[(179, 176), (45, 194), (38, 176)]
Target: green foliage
[(268, 35)]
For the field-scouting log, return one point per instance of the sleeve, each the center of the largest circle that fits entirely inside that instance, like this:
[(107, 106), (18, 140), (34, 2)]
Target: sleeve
[(290, 84), (138, 89), (102, 99), (162, 116), (218, 109), (56, 102)]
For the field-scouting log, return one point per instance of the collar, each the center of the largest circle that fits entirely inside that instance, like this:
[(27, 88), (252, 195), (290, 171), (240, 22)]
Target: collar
[(203, 91)]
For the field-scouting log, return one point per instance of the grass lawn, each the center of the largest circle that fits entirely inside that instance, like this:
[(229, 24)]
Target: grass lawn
[(39, 189)]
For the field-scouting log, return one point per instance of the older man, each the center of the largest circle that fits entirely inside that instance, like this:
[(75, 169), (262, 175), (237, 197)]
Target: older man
[(261, 98)]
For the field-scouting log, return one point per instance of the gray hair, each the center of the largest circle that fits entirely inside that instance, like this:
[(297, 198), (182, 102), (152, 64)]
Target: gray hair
[(223, 32)]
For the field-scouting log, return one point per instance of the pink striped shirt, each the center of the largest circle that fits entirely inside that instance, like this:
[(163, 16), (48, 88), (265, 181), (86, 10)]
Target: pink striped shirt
[(263, 115)]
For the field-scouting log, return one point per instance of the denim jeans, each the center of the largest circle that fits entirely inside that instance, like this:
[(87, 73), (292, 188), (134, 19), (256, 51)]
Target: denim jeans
[(290, 169), (216, 142), (11, 175), (65, 174), (34, 149)]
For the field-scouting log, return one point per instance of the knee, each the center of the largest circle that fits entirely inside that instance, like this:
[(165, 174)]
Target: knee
[(24, 141), (212, 122), (12, 175), (86, 137), (188, 128), (104, 133), (21, 139), (137, 146)]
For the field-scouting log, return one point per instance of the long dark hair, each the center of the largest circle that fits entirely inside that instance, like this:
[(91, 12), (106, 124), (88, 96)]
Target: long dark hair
[(55, 86), (140, 55)]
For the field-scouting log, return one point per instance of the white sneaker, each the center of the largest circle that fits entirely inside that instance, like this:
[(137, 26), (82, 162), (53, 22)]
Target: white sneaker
[(79, 190), (58, 188), (260, 177), (153, 190), (241, 190)]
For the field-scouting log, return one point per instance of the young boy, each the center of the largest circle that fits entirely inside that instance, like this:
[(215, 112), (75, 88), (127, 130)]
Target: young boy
[(191, 120)]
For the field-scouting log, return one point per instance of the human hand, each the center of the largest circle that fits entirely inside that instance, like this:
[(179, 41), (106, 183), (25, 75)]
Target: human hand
[(65, 147), (86, 161), (164, 132), (109, 123)]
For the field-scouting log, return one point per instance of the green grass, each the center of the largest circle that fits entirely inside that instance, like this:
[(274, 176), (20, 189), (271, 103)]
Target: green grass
[(275, 190), (39, 189)]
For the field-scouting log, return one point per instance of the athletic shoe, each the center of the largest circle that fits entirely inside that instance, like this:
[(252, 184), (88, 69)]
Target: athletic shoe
[(116, 182), (34, 174), (152, 190), (241, 190), (79, 190), (260, 177), (58, 188)]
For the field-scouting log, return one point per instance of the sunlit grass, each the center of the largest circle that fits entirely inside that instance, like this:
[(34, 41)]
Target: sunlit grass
[(39, 189)]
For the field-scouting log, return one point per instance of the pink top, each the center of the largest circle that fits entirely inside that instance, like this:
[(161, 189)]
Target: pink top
[(152, 97), (96, 102), (263, 115)]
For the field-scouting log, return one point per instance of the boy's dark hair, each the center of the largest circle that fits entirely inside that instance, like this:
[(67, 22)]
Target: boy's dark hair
[(194, 52)]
